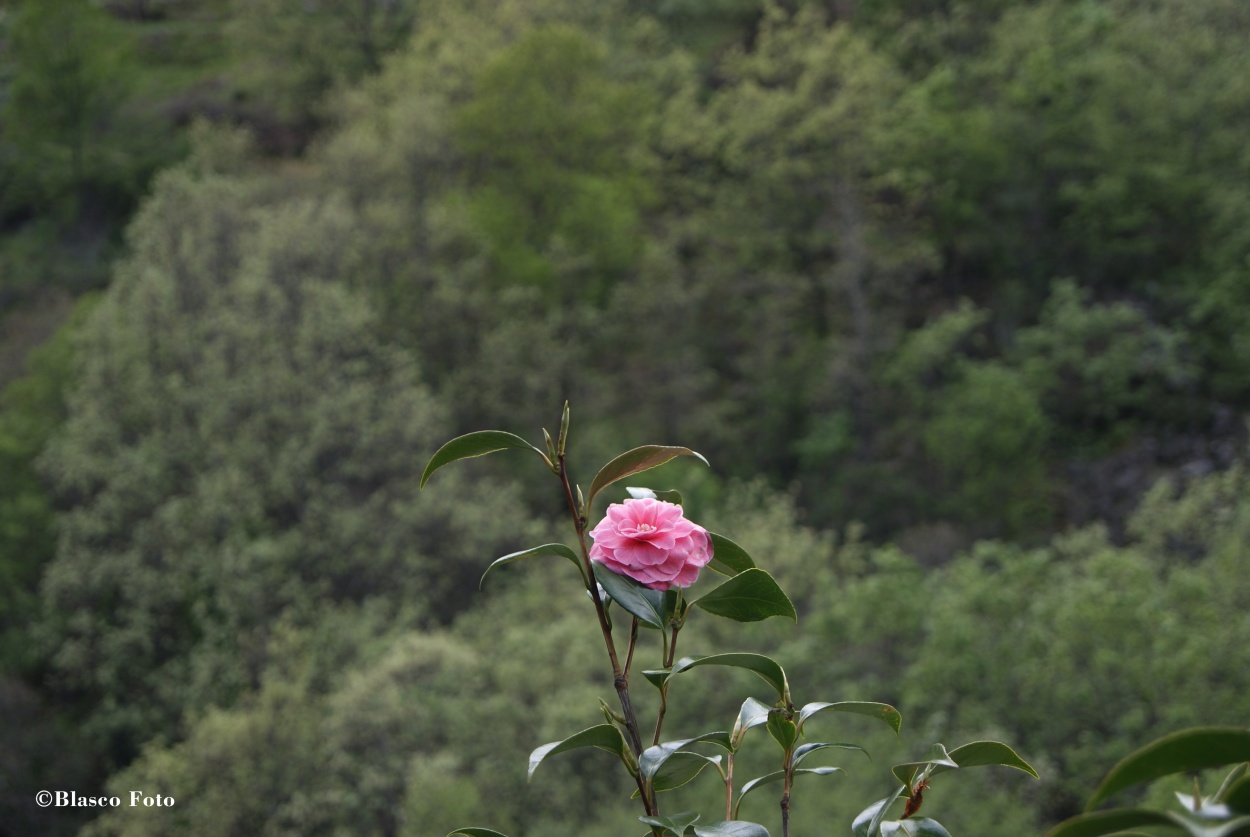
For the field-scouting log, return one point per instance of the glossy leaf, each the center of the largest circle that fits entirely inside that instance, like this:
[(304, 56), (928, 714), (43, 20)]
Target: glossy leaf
[(777, 776), (937, 757), (1234, 777), (479, 443), (476, 832), (557, 549), (805, 750), (681, 769), (986, 753), (752, 714), (657, 676), (783, 730), (913, 827), (668, 495), (604, 737), (750, 596), (881, 711), (727, 557), (677, 823), (733, 828), (1180, 752), (767, 668), (1114, 822), (635, 461), (653, 757), (643, 602), (1237, 795), (868, 822)]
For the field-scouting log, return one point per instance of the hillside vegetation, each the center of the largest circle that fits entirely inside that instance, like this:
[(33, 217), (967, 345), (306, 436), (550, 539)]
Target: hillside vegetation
[(954, 295)]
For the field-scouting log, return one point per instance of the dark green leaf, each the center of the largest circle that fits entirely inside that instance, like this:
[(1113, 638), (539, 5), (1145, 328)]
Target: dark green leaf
[(868, 822), (476, 832), (605, 737), (653, 757), (643, 602), (752, 714), (1233, 777), (733, 828), (476, 444), (783, 730), (1239, 827), (914, 827), (657, 676), (750, 596), (777, 776), (727, 557), (983, 753), (681, 769), (802, 752), (558, 549), (765, 667), (1237, 795), (1180, 752), (633, 462), (937, 756), (881, 711), (1114, 822), (677, 823)]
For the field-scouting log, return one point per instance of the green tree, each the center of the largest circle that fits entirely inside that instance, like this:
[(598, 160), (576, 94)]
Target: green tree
[(235, 453)]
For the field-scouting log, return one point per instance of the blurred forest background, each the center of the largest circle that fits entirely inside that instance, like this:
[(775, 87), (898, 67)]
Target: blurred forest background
[(953, 294)]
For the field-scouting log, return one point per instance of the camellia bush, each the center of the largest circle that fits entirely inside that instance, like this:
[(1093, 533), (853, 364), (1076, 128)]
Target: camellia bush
[(638, 563)]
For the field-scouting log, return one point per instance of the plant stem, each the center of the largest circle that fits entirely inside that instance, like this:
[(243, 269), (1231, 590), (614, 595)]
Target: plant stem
[(620, 677), (670, 655), (729, 787)]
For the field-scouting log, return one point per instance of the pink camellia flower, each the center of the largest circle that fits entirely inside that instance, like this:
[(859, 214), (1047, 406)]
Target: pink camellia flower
[(652, 543)]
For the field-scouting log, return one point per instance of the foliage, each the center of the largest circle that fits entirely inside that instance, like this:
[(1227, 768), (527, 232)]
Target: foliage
[(748, 595), (215, 470)]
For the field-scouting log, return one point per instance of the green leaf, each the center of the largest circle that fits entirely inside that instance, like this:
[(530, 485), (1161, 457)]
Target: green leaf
[(983, 753), (765, 667), (783, 730), (634, 461), (681, 769), (1239, 827), (657, 676), (557, 549), (605, 737), (677, 823), (868, 822), (1234, 777), (476, 832), (1113, 822), (937, 756), (752, 714), (733, 828), (750, 596), (479, 443), (669, 495), (777, 776), (653, 758), (643, 602), (727, 557), (1237, 795), (1180, 752), (802, 752), (914, 827), (881, 711)]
